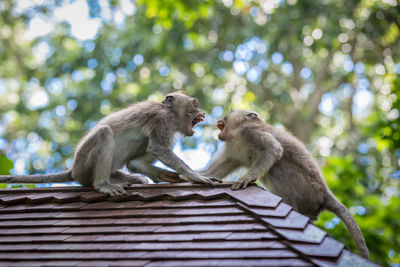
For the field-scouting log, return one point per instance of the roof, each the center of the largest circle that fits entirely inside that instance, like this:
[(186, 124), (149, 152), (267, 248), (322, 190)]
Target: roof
[(161, 225)]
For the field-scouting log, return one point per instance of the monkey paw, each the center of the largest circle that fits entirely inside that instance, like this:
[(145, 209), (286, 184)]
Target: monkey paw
[(216, 180), (111, 190), (213, 179), (204, 180), (242, 183), (172, 177)]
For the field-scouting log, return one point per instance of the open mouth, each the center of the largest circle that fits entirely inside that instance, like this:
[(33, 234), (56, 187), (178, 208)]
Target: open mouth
[(197, 119), (220, 124)]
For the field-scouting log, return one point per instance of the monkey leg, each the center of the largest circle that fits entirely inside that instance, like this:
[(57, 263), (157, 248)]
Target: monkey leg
[(102, 157), (124, 179)]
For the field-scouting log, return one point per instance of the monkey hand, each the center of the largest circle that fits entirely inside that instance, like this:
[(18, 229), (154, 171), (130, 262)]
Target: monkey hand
[(242, 183), (200, 179), (172, 177), (213, 178), (216, 180)]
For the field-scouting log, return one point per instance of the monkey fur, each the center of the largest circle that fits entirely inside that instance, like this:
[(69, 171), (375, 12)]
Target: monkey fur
[(281, 163), (136, 137)]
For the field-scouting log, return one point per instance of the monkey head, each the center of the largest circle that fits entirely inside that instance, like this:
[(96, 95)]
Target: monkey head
[(186, 111), (234, 120)]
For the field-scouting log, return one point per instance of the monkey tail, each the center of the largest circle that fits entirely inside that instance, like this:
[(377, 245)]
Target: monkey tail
[(333, 205), (64, 176)]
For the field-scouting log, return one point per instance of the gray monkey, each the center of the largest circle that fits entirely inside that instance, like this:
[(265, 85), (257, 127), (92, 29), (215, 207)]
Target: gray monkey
[(136, 137), (281, 163)]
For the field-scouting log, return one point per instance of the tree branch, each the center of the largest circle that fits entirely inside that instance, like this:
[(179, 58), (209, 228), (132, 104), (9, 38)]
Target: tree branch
[(303, 128)]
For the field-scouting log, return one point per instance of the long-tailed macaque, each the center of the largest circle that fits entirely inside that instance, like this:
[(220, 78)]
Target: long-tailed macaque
[(280, 162), (136, 136)]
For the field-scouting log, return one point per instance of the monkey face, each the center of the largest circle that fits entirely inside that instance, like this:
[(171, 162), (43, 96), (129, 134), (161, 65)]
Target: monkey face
[(233, 120), (186, 110)]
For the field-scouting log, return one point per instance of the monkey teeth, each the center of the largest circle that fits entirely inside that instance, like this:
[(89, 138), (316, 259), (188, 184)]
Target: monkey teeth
[(197, 120)]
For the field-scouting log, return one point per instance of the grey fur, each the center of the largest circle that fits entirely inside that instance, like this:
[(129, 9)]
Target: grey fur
[(136, 136), (280, 162)]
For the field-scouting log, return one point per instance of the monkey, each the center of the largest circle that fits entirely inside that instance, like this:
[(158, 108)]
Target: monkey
[(136, 137), (281, 163)]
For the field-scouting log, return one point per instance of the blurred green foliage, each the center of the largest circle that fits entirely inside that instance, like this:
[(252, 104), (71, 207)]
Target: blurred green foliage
[(5, 165), (325, 70)]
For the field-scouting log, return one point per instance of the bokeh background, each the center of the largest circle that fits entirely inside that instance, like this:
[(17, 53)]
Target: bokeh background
[(325, 70)]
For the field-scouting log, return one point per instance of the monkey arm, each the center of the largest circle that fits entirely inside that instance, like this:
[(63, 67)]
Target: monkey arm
[(156, 174), (166, 156), (269, 150), (221, 166)]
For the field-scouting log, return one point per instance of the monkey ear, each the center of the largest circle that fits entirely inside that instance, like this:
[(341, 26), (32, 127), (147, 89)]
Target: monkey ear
[(251, 115), (169, 99)]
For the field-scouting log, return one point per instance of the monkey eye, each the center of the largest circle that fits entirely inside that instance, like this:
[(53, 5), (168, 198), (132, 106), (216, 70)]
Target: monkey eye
[(251, 115), (196, 103)]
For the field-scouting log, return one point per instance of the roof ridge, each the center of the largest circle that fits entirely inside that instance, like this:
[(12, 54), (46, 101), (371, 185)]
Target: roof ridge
[(132, 186)]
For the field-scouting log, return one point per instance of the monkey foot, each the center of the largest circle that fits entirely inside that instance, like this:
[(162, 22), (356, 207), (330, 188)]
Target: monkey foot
[(111, 190)]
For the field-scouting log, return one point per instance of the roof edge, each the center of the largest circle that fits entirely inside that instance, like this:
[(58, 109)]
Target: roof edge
[(133, 186)]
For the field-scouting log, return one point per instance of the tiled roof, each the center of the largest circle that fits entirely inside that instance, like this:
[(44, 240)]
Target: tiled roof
[(161, 225)]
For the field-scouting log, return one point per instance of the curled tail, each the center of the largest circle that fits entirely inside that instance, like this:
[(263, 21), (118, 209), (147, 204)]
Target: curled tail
[(65, 176), (333, 205)]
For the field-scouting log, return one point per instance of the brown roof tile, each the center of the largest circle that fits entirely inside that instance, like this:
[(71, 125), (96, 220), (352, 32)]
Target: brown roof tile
[(293, 220), (311, 234), (282, 210), (252, 235), (161, 225), (327, 248), (252, 197)]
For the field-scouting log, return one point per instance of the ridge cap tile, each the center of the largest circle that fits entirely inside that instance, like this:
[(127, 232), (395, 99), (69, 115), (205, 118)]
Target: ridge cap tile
[(329, 247), (311, 234), (293, 220), (255, 196), (14, 199), (282, 210)]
